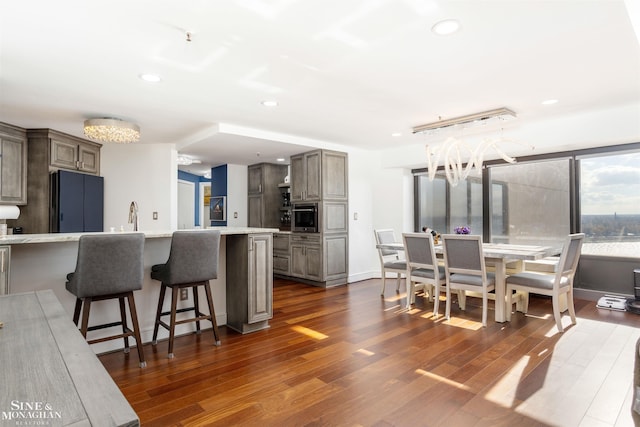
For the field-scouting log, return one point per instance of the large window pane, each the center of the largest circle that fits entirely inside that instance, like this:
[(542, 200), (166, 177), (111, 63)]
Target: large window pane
[(610, 198), (432, 197), (530, 203), (444, 207)]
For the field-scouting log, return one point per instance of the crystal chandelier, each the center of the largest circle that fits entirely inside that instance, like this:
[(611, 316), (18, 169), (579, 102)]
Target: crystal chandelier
[(111, 130), (453, 150)]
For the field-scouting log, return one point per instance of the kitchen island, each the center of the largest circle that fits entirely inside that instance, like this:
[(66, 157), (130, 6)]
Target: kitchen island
[(242, 292)]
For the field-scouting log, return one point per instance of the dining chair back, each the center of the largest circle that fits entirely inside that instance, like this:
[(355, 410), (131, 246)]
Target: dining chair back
[(422, 268), (554, 285), (391, 261), (465, 270)]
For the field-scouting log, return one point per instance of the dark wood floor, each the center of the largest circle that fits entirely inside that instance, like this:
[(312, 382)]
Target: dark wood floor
[(347, 357)]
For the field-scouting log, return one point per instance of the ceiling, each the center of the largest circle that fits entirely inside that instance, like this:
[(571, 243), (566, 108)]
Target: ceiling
[(347, 72)]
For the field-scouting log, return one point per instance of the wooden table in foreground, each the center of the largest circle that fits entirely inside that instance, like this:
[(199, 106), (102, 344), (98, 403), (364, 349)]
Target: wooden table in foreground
[(49, 375), (499, 255)]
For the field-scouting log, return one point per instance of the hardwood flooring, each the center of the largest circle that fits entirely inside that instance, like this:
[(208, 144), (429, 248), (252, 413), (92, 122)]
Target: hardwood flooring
[(348, 357)]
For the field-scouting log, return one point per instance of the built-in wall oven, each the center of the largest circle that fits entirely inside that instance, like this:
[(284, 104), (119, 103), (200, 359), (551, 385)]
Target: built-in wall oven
[(305, 217)]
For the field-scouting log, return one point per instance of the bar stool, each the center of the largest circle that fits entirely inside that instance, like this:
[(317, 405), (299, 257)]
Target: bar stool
[(193, 261), (109, 266)]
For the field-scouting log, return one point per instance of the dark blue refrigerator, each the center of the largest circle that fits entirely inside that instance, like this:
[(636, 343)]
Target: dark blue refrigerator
[(77, 202)]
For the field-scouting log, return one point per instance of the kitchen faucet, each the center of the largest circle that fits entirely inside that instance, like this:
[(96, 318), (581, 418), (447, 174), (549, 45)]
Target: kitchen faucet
[(133, 215)]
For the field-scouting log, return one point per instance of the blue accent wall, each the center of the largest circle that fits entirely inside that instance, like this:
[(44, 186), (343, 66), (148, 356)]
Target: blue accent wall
[(196, 179), (219, 187)]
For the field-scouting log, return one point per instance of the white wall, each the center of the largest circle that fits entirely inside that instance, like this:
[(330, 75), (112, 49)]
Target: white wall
[(145, 173), (362, 255), (381, 198), (237, 190)]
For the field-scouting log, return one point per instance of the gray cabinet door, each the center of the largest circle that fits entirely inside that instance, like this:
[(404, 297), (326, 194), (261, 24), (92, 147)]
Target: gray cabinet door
[(336, 256), (260, 297), (335, 217), (13, 169), (255, 211), (254, 184), (306, 176), (298, 180), (306, 261), (313, 255), (75, 155), (89, 159), (5, 258), (298, 260), (64, 154), (334, 175), (313, 175)]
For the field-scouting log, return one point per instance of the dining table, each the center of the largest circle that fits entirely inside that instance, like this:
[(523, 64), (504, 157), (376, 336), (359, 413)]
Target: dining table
[(498, 255)]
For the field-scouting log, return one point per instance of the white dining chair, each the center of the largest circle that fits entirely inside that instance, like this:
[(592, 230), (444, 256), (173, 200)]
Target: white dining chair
[(391, 261), (423, 270), (553, 285), (465, 270)]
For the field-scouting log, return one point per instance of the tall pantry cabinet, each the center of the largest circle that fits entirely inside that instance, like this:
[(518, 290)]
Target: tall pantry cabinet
[(322, 176)]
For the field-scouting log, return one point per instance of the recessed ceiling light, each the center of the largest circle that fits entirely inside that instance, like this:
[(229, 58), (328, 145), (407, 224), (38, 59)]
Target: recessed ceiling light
[(549, 102), (270, 103), (446, 27), (396, 134), (151, 78), (280, 159)]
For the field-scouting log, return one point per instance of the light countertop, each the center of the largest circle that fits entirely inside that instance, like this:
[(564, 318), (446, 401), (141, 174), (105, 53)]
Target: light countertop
[(16, 239)]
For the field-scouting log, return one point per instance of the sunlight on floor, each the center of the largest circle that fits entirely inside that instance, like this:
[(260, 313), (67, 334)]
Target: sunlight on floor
[(463, 323), (442, 379), (309, 332), (503, 392)]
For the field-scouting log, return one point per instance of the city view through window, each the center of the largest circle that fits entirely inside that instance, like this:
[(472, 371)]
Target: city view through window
[(610, 198)]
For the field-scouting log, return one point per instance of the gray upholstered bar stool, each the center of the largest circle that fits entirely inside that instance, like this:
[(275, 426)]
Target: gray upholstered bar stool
[(193, 262), (109, 266)]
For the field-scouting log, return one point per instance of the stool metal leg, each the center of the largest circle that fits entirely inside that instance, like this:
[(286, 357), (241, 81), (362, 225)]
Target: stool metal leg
[(212, 312), (163, 289), (172, 324), (136, 329), (196, 308), (123, 319)]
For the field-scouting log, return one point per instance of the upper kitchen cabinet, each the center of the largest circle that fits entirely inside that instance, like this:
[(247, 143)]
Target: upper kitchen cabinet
[(265, 198), (72, 153), (319, 175), (50, 150), (13, 165)]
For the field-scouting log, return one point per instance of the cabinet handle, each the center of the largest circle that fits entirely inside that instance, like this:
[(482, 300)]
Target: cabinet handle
[(260, 188), (2, 263)]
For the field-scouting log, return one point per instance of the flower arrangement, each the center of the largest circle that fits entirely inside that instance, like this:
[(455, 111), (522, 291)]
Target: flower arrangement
[(462, 229)]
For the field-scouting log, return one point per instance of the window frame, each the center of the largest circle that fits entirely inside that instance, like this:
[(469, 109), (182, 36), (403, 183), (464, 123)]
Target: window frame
[(574, 182)]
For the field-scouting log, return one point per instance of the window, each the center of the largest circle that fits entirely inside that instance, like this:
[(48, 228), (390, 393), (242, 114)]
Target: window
[(610, 198), (537, 201), (443, 207), (530, 202)]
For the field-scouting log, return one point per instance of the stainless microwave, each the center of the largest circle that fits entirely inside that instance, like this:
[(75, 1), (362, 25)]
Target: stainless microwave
[(304, 217)]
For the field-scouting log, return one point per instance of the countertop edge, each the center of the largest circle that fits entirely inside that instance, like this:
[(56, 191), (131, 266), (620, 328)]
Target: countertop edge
[(18, 239)]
